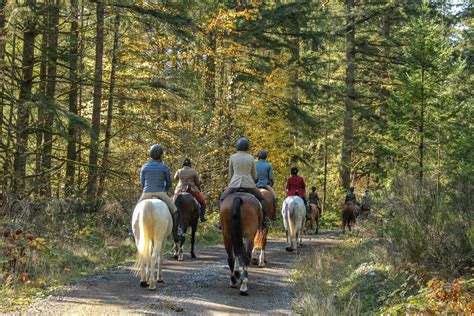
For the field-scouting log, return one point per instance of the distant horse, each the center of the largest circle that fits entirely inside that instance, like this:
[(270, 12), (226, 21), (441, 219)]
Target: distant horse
[(349, 214), (187, 214), (240, 217), (293, 212), (314, 217), (260, 241), (151, 224)]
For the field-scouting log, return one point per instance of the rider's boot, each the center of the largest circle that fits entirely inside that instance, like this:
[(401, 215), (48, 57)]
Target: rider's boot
[(266, 221)]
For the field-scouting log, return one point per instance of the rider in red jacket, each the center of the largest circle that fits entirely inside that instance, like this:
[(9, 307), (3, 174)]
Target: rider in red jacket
[(295, 185)]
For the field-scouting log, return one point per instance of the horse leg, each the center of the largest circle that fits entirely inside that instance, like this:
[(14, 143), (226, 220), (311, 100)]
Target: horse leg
[(182, 238), (193, 235), (245, 263), (153, 261), (160, 260), (261, 259), (245, 280), (143, 276), (289, 247), (230, 260), (254, 255), (176, 248)]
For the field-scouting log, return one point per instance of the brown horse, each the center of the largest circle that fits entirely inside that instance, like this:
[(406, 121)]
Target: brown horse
[(349, 213), (240, 217), (314, 217), (187, 214), (260, 241)]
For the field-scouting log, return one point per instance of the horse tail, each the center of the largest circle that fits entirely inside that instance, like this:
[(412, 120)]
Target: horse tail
[(146, 233), (292, 219), (236, 228)]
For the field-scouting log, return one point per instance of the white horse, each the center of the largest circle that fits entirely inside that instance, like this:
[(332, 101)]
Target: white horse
[(151, 224), (293, 212)]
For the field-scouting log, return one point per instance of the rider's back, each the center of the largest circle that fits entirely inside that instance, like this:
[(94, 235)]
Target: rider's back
[(242, 170)]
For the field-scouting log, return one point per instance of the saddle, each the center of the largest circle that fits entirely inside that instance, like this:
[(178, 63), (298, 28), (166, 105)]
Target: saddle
[(244, 191)]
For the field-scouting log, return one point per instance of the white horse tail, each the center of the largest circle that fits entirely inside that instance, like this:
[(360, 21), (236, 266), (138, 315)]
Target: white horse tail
[(146, 233), (292, 219)]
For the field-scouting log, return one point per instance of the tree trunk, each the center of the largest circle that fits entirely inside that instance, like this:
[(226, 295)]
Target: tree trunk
[(108, 129), (211, 73), (2, 64), (42, 90), (422, 124), (94, 145), (326, 122), (72, 102), (346, 153), (50, 94), (26, 84)]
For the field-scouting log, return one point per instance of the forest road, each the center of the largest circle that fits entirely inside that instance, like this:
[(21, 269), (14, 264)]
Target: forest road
[(192, 286)]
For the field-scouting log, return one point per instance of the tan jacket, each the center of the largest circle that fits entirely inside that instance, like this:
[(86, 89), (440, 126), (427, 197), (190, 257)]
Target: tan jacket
[(188, 178), (242, 170)]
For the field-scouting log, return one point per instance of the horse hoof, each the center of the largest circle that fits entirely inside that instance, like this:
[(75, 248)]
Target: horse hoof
[(233, 282), (237, 275), (175, 256), (152, 288), (159, 281), (254, 260), (289, 249), (144, 284), (193, 256), (261, 265), (244, 293), (180, 259)]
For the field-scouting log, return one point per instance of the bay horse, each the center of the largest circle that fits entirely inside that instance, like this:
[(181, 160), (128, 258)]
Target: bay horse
[(314, 217), (260, 241), (151, 225), (240, 218), (187, 214), (349, 213), (293, 212)]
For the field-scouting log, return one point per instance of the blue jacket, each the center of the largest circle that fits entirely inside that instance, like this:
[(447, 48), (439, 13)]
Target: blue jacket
[(155, 176), (264, 173)]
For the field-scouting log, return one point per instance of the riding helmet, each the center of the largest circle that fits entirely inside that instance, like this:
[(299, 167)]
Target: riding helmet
[(262, 154), (156, 151), (187, 162), (243, 144), (294, 171)]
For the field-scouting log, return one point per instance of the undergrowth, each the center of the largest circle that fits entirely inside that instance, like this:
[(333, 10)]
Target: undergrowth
[(47, 243)]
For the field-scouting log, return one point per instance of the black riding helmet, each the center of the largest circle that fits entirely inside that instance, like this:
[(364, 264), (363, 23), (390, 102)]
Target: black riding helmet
[(243, 144), (187, 162), (156, 151), (262, 154), (294, 171)]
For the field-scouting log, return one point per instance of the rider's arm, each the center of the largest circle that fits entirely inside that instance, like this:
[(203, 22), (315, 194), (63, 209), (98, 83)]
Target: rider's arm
[(197, 181), (254, 171), (270, 175), (168, 179), (142, 176), (231, 168)]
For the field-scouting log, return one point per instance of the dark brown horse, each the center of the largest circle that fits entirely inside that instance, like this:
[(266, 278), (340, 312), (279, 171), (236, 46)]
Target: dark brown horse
[(260, 241), (240, 217), (349, 213), (314, 217), (186, 215)]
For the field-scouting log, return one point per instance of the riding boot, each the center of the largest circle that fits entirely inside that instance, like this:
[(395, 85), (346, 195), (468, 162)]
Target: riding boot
[(266, 221), (202, 213), (308, 211)]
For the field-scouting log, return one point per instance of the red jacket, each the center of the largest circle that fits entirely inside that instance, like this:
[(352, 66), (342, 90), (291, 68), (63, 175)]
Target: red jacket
[(295, 183)]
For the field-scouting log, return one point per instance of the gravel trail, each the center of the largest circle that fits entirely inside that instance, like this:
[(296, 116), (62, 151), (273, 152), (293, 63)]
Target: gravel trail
[(192, 286)]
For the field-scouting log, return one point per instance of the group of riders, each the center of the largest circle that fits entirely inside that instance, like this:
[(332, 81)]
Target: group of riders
[(245, 174)]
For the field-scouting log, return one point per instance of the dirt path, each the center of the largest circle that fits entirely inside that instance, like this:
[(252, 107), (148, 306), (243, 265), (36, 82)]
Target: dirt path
[(192, 286)]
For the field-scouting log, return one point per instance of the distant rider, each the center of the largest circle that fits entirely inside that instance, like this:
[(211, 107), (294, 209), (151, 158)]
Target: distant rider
[(350, 197), (314, 198), (265, 175), (188, 181), (295, 185)]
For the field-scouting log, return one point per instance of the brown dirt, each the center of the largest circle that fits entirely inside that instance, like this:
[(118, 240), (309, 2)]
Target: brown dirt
[(192, 286)]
